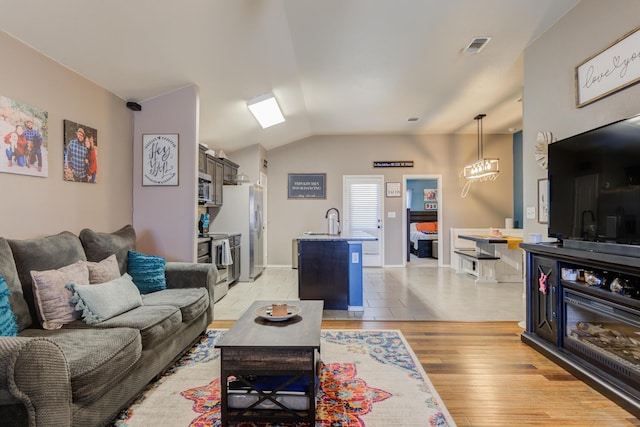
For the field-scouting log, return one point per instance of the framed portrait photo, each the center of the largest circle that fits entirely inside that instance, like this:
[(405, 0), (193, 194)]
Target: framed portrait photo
[(160, 159), (80, 153), (543, 201)]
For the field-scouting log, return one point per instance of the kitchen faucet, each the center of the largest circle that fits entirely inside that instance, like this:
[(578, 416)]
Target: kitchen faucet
[(326, 215), (583, 231)]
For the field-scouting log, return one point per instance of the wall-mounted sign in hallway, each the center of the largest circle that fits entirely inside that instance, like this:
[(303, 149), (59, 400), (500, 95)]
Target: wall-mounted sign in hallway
[(160, 159), (307, 186), (393, 164)]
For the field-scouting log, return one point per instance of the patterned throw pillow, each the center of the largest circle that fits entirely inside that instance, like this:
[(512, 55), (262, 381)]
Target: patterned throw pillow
[(100, 302), (53, 298), (103, 271), (8, 325), (147, 272)]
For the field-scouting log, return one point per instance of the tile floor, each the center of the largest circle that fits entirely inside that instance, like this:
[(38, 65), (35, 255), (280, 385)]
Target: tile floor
[(422, 291)]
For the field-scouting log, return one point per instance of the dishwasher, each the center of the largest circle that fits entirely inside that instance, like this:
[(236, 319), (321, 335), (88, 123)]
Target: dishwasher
[(234, 246)]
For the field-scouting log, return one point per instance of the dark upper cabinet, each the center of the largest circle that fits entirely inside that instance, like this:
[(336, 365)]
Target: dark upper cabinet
[(230, 171), (218, 181), (215, 168), (202, 159)]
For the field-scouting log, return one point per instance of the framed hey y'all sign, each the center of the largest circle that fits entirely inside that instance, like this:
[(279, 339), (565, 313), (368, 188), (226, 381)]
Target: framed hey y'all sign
[(160, 159)]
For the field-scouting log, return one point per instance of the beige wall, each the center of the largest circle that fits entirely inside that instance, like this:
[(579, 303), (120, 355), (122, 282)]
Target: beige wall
[(32, 206), (486, 205), (549, 95), (250, 161)]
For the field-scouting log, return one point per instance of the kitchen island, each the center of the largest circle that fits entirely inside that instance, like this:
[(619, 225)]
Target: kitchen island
[(330, 269)]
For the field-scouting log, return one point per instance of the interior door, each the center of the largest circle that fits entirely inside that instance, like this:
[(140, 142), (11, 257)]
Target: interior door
[(363, 211)]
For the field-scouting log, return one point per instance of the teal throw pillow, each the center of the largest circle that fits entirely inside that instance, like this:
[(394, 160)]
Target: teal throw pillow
[(103, 301), (147, 272), (8, 325)]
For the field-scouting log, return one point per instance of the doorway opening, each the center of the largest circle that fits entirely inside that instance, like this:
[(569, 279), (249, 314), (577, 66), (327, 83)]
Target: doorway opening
[(422, 219)]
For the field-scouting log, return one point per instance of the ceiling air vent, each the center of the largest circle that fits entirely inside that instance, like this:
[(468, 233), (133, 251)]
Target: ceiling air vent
[(477, 44)]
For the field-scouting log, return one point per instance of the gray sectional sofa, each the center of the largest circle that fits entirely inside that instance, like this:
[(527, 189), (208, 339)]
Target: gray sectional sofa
[(80, 374)]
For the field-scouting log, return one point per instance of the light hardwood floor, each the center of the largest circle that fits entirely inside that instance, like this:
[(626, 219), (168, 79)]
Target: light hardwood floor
[(487, 377)]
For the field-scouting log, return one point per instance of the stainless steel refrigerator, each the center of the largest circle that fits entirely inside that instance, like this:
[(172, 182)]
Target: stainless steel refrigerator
[(241, 212)]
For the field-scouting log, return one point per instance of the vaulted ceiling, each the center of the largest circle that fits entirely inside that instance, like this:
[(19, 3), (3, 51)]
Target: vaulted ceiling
[(336, 66)]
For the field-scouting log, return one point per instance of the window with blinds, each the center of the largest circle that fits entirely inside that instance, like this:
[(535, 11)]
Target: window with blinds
[(364, 214), (363, 206)]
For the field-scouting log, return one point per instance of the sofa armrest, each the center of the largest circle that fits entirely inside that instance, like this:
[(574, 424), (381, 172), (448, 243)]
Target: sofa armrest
[(35, 373), (193, 275)]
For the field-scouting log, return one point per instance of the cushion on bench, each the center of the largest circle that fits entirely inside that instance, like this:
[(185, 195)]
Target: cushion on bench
[(192, 302)]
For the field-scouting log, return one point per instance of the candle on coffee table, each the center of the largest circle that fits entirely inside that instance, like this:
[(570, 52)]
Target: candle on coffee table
[(278, 310)]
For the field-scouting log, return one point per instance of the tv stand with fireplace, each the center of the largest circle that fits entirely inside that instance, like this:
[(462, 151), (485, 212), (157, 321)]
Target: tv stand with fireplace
[(585, 326)]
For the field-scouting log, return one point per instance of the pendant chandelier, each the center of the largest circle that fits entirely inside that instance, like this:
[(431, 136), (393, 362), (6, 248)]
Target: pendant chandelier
[(484, 169)]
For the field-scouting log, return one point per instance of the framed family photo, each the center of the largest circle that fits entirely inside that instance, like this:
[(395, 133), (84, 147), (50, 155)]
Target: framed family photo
[(24, 131), (80, 153)]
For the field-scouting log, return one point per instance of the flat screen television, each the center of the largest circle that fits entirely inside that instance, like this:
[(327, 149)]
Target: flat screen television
[(594, 188)]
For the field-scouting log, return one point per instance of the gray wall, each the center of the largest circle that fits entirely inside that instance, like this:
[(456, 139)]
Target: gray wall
[(486, 205), (549, 95), (165, 216), (32, 206)]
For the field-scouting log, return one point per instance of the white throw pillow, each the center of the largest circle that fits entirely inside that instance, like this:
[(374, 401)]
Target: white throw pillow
[(103, 301)]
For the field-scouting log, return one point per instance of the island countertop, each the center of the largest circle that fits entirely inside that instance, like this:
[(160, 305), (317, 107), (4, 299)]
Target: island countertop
[(353, 236), (484, 239)]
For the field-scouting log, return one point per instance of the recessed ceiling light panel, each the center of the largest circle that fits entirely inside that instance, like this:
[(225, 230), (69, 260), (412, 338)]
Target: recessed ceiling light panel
[(266, 110)]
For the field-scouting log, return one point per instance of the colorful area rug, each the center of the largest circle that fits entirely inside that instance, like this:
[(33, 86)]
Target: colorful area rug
[(369, 379)]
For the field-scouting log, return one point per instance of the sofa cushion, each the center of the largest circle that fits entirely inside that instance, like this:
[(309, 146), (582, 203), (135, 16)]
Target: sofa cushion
[(100, 302), (98, 358), (191, 302), (53, 299), (10, 273), (103, 271), (147, 272), (45, 253), (8, 325), (155, 323), (98, 245)]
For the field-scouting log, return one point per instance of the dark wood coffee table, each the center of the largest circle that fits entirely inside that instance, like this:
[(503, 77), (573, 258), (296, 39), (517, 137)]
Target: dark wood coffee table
[(258, 347)]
